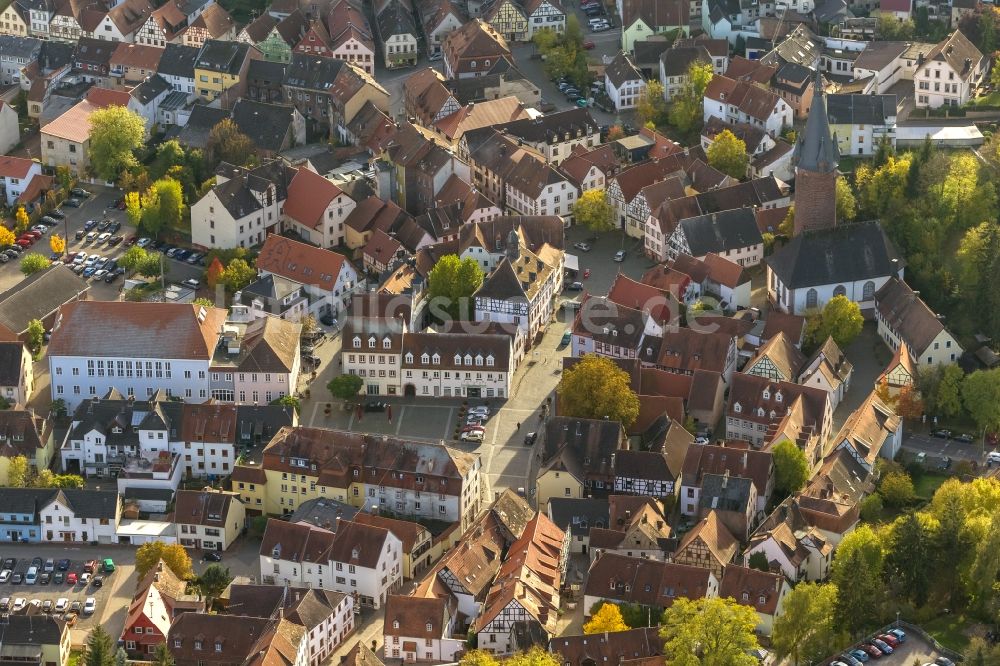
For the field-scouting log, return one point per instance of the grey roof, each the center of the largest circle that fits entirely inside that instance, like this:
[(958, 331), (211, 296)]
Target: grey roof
[(270, 286), (725, 493), (32, 631), (676, 61), (149, 494), (24, 500), (829, 11), (846, 253), (815, 149), (718, 232), (11, 358), (260, 422), (395, 19), (621, 70), (323, 513), (54, 55), (200, 123), (150, 89), (178, 60), (94, 50), (647, 52), (39, 296), (266, 70), (90, 503), (474, 88), (578, 515), (551, 125), (266, 124), (314, 72), (222, 56), (19, 47), (860, 109)]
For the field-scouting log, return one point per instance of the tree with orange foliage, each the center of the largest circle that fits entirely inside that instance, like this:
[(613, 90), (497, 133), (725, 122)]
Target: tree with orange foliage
[(214, 272), (909, 404)]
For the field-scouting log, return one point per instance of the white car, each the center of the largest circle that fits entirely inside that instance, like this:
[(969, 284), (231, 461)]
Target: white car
[(85, 579), (90, 237), (991, 457), (481, 409), (80, 258), (5, 575), (103, 238), (19, 604), (473, 435), (62, 604), (89, 606), (143, 242)]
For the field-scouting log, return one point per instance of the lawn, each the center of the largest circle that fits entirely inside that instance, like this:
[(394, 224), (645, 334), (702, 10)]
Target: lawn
[(949, 631), (927, 484)]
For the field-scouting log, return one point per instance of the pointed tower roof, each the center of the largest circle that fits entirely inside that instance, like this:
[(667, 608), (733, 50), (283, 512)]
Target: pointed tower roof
[(815, 149)]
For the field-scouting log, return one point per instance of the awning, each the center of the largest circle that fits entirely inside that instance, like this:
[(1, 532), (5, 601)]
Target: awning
[(571, 262)]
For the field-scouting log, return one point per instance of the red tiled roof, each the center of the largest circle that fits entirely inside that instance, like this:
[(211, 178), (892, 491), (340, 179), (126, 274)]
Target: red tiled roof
[(300, 262), (14, 167), (309, 194)]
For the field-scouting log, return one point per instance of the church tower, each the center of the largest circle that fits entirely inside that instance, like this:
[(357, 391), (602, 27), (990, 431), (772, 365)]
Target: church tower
[(815, 159)]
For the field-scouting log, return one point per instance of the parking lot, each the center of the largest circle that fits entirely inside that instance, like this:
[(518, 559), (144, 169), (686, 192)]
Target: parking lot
[(913, 651), (110, 599), (96, 209)]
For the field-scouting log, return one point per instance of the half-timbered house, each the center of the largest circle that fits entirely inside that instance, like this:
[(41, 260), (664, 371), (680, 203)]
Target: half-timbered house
[(709, 545), (779, 360), (508, 18), (544, 15)]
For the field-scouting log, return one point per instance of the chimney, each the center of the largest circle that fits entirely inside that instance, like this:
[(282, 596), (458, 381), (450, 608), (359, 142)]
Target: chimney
[(725, 479)]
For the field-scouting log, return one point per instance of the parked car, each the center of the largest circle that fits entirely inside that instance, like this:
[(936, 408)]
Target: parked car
[(114, 240), (61, 605), (85, 579), (470, 428), (5, 575), (941, 434), (375, 406), (582, 247), (31, 577), (480, 409), (944, 661), (889, 640), (882, 645), (90, 237), (89, 606), (79, 192), (850, 659), (47, 606), (103, 238), (870, 650), (71, 578), (328, 320), (58, 578), (108, 565), (473, 436), (529, 439), (19, 604), (212, 556), (588, 44), (619, 256), (16, 579), (73, 202), (964, 438), (144, 242), (58, 214), (945, 463), (103, 224)]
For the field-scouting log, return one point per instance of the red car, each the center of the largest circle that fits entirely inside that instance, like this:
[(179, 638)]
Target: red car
[(131, 240), (34, 234), (890, 639), (588, 45), (872, 651), (71, 578), (90, 566), (470, 428), (24, 242)]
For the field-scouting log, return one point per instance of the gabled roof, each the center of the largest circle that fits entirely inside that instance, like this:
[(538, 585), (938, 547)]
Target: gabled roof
[(905, 313), (677, 60), (621, 70), (760, 590), (860, 109), (300, 262), (711, 531), (656, 14), (309, 195), (782, 354), (721, 232), (832, 256), (38, 296)]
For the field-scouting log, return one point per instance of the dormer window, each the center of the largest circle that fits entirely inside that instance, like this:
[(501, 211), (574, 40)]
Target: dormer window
[(395, 624), (387, 344), (479, 359), (746, 597), (760, 411), (371, 342), (197, 645), (218, 647), (458, 359), (767, 394), (430, 626), (409, 357), (489, 361), (354, 553), (424, 358), (761, 600), (777, 396), (357, 342), (737, 408), (436, 359), (468, 359)]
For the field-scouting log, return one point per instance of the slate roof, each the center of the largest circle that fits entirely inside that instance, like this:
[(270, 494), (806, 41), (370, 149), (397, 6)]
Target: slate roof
[(90, 504), (860, 109), (722, 231), (31, 632), (676, 61), (815, 149), (908, 315), (225, 57), (578, 515), (21, 432), (846, 253), (622, 70), (268, 125), (150, 89), (12, 47), (11, 360), (38, 296), (178, 60)]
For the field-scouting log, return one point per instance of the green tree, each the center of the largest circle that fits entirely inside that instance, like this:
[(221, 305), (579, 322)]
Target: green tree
[(115, 132), (596, 388), (791, 469), (345, 387), (162, 656), (152, 221), (806, 631), (288, 401), (883, 189), (857, 574), (226, 143), (896, 489), (952, 543), (214, 580), (892, 30), (121, 657), (908, 561), (847, 204), (452, 282), (36, 335), (651, 107), (238, 274), (758, 560), (72, 481), (948, 395), (728, 154), (163, 206), (44, 479), (709, 632), (169, 154), (967, 199), (840, 319), (982, 578), (687, 110), (545, 40), (64, 177), (607, 618), (100, 649), (133, 208), (132, 258), (174, 556), (594, 211), (981, 396), (871, 508), (33, 262), (478, 658), (17, 472)]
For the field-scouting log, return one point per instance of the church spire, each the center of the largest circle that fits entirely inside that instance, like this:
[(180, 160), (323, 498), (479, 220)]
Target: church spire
[(815, 149)]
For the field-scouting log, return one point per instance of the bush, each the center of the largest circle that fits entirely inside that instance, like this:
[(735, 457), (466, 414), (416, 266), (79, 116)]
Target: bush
[(897, 489), (871, 508)]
